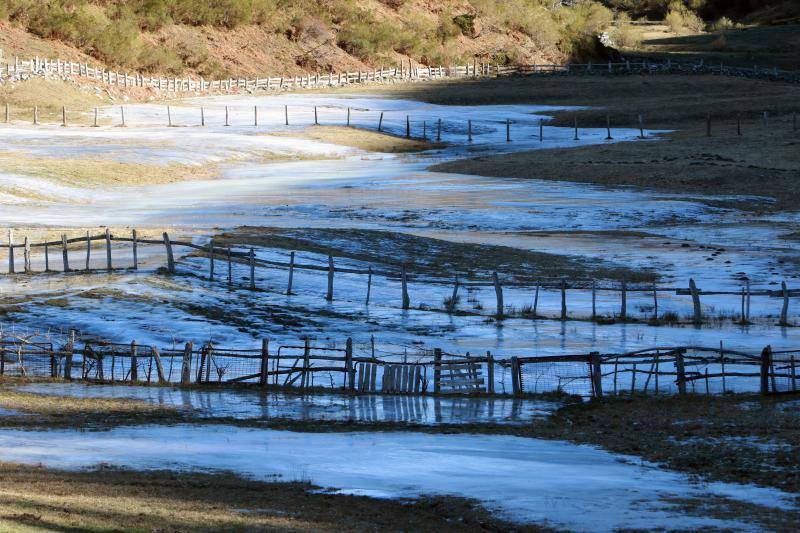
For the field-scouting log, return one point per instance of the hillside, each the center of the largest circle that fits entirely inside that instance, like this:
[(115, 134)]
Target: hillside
[(245, 37)]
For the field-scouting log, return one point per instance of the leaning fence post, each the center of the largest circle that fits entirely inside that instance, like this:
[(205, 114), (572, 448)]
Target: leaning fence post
[(498, 292), (186, 367), (785, 308), (350, 374), (159, 366), (404, 282), (453, 298), (170, 257), (437, 370), (108, 250), (380, 122), (680, 368), (766, 363), (329, 295), (698, 317), (515, 376), (291, 274), (264, 376)]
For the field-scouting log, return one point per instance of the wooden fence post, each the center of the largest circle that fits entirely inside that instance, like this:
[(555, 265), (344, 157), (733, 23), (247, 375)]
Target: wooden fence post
[(623, 312), (508, 130), (515, 376), (202, 116), (348, 117), (766, 363), (264, 376), (211, 259), (10, 251), (35, 115), (63, 116), (453, 298), (369, 284), (596, 373), (88, 250), (252, 259), (498, 292), (437, 370), (594, 299), (26, 254), (122, 115), (439, 130), (134, 363), (227, 123), (404, 282), (255, 116), (489, 373), (576, 129), (135, 250), (408, 127), (469, 130), (291, 273), (680, 368), (641, 126), (350, 375), (563, 299), (68, 356), (541, 130), (159, 366), (608, 128), (64, 252), (380, 122), (169, 117), (108, 250), (329, 295), (170, 257), (785, 309), (698, 316), (186, 366)]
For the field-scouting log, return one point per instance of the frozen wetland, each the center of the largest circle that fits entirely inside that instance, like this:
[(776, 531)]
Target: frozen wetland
[(564, 485)]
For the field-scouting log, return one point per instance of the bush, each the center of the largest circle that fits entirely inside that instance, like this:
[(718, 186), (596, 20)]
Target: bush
[(681, 19), (466, 23)]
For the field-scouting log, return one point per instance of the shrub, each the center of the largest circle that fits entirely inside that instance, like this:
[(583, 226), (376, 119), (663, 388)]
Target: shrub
[(681, 19), (466, 23)]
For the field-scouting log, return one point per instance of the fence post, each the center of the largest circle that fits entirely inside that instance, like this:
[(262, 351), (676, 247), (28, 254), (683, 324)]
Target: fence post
[(698, 316), (211, 259), (27, 255), (263, 378), (515, 376), (596, 373), (785, 308), (159, 366), (498, 292), (469, 130), (350, 375), (508, 130), (135, 251), (576, 129), (408, 127), (489, 373), (68, 356), (63, 116), (608, 128), (369, 284), (439, 130), (64, 252), (108, 250), (623, 312), (134, 364), (227, 123), (329, 295), (252, 259), (202, 116), (681, 370), (186, 366), (10, 251), (563, 299), (452, 304), (380, 122), (766, 362), (404, 282), (437, 370), (291, 274), (170, 257)]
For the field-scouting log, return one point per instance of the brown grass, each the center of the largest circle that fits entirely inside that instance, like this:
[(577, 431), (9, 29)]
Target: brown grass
[(36, 499), (370, 141)]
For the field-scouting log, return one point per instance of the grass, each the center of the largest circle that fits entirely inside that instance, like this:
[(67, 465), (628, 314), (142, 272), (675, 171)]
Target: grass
[(370, 141), (50, 96), (35, 499), (761, 162), (90, 173), (426, 255)]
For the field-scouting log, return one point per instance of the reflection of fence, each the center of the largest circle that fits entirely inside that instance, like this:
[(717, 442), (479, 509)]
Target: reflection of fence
[(403, 71), (227, 257), (667, 370)]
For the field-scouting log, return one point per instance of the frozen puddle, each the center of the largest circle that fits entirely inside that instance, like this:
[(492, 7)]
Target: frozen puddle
[(525, 480), (245, 404)]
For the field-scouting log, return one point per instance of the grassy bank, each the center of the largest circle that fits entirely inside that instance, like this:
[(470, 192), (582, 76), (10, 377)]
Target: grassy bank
[(370, 141), (762, 161)]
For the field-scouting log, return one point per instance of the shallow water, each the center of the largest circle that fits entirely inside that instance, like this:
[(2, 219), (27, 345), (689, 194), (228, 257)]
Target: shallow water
[(527, 480), (242, 404)]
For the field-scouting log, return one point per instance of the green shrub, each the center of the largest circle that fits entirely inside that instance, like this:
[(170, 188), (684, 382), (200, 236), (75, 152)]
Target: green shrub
[(682, 20), (466, 23)]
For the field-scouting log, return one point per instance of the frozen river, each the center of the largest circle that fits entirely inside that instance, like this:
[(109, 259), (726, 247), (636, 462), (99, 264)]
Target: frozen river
[(331, 186)]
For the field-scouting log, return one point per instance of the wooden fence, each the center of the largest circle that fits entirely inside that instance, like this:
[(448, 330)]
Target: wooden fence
[(402, 71), (664, 370), (226, 257)]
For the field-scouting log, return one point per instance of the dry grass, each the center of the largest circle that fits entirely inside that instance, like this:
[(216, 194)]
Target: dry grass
[(370, 141), (36, 499), (50, 96), (90, 173)]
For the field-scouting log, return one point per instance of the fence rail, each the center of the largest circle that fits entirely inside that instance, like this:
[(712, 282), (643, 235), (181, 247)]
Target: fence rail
[(69, 246), (402, 71), (661, 370)]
